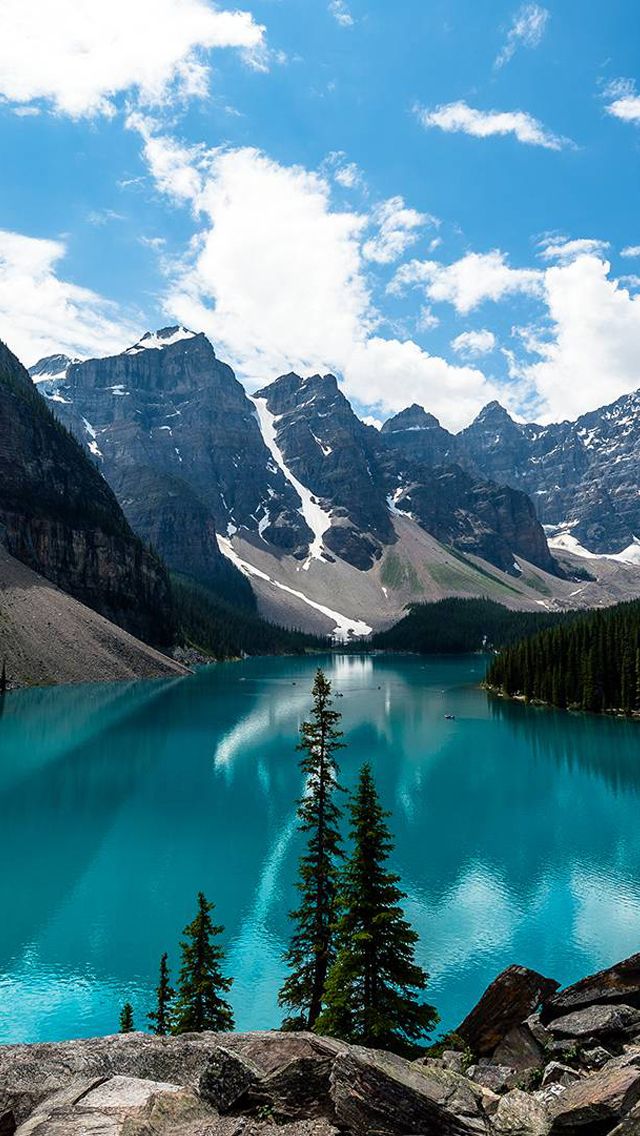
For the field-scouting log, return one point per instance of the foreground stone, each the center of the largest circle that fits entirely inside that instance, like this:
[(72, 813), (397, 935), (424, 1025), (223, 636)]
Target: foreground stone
[(510, 998), (596, 1104), (600, 1022), (616, 984)]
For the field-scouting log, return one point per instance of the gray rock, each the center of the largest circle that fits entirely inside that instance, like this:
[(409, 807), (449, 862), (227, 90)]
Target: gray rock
[(520, 1049), (521, 1114), (498, 1078), (375, 1092), (117, 1106), (630, 1126), (618, 984), (510, 998), (558, 1074), (596, 1103), (227, 1078), (597, 1022), (595, 1057)]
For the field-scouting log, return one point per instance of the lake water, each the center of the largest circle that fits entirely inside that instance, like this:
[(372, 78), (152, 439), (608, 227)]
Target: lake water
[(518, 832)]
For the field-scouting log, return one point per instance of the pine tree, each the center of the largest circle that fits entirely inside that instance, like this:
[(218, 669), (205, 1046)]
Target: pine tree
[(200, 1005), (3, 677), (165, 994), (126, 1018), (312, 949), (372, 990)]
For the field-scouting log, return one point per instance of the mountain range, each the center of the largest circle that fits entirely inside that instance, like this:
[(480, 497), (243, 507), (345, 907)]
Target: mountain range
[(337, 524)]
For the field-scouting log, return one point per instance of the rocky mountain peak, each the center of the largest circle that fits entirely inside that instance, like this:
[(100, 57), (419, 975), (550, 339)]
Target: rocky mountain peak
[(164, 337), (51, 367), (493, 414), (414, 417)]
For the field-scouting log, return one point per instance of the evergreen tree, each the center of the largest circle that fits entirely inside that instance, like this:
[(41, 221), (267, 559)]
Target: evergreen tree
[(200, 1005), (126, 1018), (372, 990), (165, 994), (3, 677), (312, 950)]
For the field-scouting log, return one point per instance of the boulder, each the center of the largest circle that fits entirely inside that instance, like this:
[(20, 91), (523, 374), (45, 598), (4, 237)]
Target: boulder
[(595, 1057), (227, 1077), (521, 1114), (594, 1105), (376, 1092), (510, 998), (558, 1074), (7, 1122), (117, 1106), (498, 1078), (520, 1049), (617, 984), (630, 1126), (597, 1022)]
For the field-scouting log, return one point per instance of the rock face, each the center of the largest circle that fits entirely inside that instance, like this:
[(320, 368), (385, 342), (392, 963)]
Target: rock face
[(582, 475), (510, 998), (190, 456), (59, 516)]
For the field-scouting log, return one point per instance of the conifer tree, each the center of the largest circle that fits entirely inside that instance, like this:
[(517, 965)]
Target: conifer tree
[(199, 1005), (372, 990), (160, 1018), (311, 950), (3, 677), (126, 1018)]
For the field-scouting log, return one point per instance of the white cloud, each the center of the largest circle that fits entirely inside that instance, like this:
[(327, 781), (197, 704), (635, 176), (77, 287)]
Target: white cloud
[(78, 57), (564, 250), (527, 29), (398, 228), (592, 358), (40, 314), (631, 250), (626, 102), (341, 13), (276, 277), (469, 281), (459, 117), (472, 344)]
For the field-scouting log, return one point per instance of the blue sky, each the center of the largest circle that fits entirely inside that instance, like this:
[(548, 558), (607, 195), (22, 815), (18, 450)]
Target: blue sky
[(436, 200)]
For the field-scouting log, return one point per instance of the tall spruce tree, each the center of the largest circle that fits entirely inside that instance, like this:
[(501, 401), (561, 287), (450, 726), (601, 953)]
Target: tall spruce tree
[(372, 991), (160, 1018), (126, 1018), (199, 1005), (312, 951)]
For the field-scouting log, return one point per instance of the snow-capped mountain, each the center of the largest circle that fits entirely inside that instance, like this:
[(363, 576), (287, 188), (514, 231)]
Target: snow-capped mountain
[(583, 476), (292, 487)]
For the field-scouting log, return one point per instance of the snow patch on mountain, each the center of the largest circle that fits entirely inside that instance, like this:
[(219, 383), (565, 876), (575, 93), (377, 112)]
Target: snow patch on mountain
[(345, 628), (156, 340), (565, 542), (317, 518)]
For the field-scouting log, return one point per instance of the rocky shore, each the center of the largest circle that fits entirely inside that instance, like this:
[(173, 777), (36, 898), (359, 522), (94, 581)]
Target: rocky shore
[(528, 1060)]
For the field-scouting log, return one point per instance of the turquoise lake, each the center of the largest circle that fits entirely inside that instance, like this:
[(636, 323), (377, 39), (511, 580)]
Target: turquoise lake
[(518, 832)]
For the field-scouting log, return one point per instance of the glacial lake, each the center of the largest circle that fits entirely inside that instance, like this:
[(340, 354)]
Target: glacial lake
[(518, 832)]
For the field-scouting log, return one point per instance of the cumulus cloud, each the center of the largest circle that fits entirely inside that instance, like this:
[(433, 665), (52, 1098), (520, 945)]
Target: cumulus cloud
[(564, 250), (473, 344), (41, 314), (527, 29), (277, 277), (625, 102), (341, 13), (398, 227), (78, 57), (631, 250), (592, 355), (467, 282), (460, 118)]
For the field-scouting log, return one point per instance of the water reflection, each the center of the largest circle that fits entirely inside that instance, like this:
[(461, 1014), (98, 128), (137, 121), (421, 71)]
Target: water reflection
[(516, 831)]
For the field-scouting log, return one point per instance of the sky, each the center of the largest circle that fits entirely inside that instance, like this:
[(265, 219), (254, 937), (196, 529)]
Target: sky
[(436, 200)]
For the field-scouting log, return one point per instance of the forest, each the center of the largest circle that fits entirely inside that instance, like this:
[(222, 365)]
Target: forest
[(591, 662)]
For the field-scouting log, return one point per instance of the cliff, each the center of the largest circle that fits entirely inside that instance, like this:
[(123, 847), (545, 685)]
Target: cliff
[(59, 516)]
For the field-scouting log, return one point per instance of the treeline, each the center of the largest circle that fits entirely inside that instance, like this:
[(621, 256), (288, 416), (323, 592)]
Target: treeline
[(227, 626), (589, 663), (351, 968), (459, 626)]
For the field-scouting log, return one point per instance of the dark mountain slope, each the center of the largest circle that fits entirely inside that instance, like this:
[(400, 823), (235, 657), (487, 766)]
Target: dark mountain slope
[(59, 516)]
